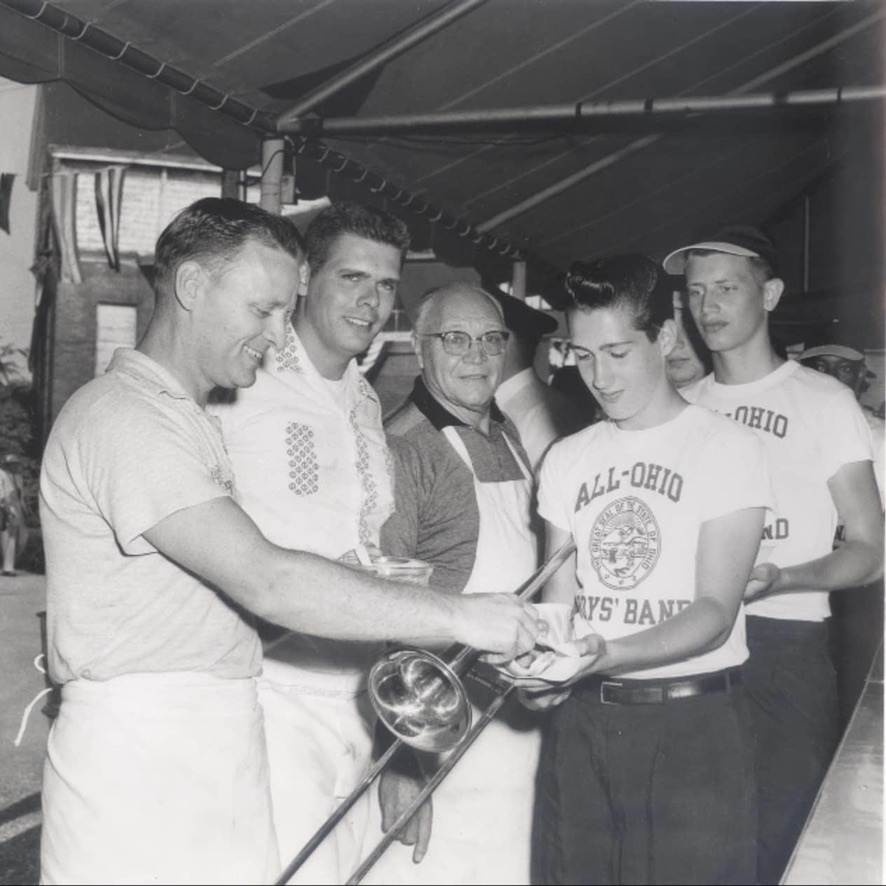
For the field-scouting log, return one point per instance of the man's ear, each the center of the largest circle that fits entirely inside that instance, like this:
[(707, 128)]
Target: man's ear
[(416, 346), (667, 337), (304, 276), (772, 292), (190, 279)]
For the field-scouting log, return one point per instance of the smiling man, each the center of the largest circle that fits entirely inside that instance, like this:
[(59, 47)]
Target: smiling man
[(157, 768), (463, 502), (819, 453), (309, 454)]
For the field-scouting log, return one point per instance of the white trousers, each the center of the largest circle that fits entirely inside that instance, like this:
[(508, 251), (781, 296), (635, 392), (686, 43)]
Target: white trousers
[(158, 778), (482, 812), (319, 748)]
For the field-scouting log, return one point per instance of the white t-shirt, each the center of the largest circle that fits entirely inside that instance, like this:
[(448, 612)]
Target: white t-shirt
[(313, 470), (810, 425), (127, 450), (635, 502)]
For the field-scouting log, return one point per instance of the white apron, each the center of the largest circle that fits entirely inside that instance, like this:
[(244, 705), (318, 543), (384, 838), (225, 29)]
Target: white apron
[(158, 778), (482, 821)]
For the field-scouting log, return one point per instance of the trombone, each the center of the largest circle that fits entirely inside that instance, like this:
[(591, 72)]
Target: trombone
[(421, 700)]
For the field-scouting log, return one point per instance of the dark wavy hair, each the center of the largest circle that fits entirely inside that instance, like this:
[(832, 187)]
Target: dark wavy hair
[(358, 219), (214, 230), (633, 282)]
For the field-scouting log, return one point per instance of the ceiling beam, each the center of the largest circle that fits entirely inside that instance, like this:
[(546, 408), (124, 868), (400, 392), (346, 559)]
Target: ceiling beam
[(378, 57), (575, 113), (643, 143)]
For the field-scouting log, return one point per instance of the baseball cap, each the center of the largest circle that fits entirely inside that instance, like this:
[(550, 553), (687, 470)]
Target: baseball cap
[(744, 240), (842, 351), (520, 318)]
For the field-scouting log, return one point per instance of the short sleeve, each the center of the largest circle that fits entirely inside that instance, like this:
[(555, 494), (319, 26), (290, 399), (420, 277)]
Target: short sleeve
[(145, 464), (550, 502), (735, 473), (847, 436)]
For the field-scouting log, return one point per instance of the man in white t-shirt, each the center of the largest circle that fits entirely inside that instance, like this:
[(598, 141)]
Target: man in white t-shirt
[(647, 771), (541, 413), (156, 768), (819, 454), (857, 622), (314, 472)]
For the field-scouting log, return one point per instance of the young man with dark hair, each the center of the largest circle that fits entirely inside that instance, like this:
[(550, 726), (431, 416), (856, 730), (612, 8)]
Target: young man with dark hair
[(156, 767), (646, 771), (309, 453), (819, 454)]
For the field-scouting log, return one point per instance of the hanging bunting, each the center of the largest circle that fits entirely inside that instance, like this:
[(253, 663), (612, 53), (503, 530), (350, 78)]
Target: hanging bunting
[(64, 207), (108, 196), (6, 180)]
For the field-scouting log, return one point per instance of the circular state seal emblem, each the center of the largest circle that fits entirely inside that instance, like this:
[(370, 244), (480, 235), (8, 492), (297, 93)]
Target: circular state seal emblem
[(625, 543)]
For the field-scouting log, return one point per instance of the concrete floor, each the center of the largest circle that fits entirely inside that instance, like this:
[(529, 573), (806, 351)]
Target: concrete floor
[(21, 598)]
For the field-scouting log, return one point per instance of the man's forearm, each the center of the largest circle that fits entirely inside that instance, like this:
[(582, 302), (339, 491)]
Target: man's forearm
[(317, 596), (701, 627), (853, 564)]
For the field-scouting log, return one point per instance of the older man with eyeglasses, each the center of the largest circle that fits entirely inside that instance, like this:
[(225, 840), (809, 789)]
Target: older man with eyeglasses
[(463, 501)]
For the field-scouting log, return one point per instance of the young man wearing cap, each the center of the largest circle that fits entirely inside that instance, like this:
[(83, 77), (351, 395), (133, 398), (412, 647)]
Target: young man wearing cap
[(847, 365), (857, 625), (819, 453), (541, 413)]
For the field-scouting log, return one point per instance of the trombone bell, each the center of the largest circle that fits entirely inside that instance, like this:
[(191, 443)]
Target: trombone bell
[(420, 699)]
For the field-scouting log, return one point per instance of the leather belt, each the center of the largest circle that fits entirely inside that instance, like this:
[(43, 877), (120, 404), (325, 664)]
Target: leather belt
[(660, 691)]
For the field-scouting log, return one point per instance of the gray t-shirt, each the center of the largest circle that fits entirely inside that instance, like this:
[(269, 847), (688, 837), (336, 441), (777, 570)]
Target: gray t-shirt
[(128, 450)]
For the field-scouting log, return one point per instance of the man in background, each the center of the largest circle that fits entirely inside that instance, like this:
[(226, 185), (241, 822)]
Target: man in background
[(541, 413), (847, 365), (857, 617), (689, 361)]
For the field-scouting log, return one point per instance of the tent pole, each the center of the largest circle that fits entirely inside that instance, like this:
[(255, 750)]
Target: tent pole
[(573, 113), (272, 151), (518, 280)]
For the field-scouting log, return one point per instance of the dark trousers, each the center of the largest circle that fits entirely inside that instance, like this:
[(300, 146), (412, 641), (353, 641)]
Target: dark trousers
[(793, 700), (646, 793)]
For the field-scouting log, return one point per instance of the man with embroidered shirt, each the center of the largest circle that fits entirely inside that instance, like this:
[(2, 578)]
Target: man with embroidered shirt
[(156, 767), (463, 495), (309, 454), (819, 454), (646, 772)]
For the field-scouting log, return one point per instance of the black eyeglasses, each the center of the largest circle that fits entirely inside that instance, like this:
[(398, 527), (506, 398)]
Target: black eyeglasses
[(457, 344)]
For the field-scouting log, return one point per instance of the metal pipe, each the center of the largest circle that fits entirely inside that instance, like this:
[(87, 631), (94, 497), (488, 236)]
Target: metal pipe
[(518, 280), (570, 114), (272, 151), (376, 59), (640, 144)]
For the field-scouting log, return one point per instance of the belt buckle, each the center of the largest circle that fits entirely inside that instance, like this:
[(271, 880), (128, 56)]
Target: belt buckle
[(613, 685)]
